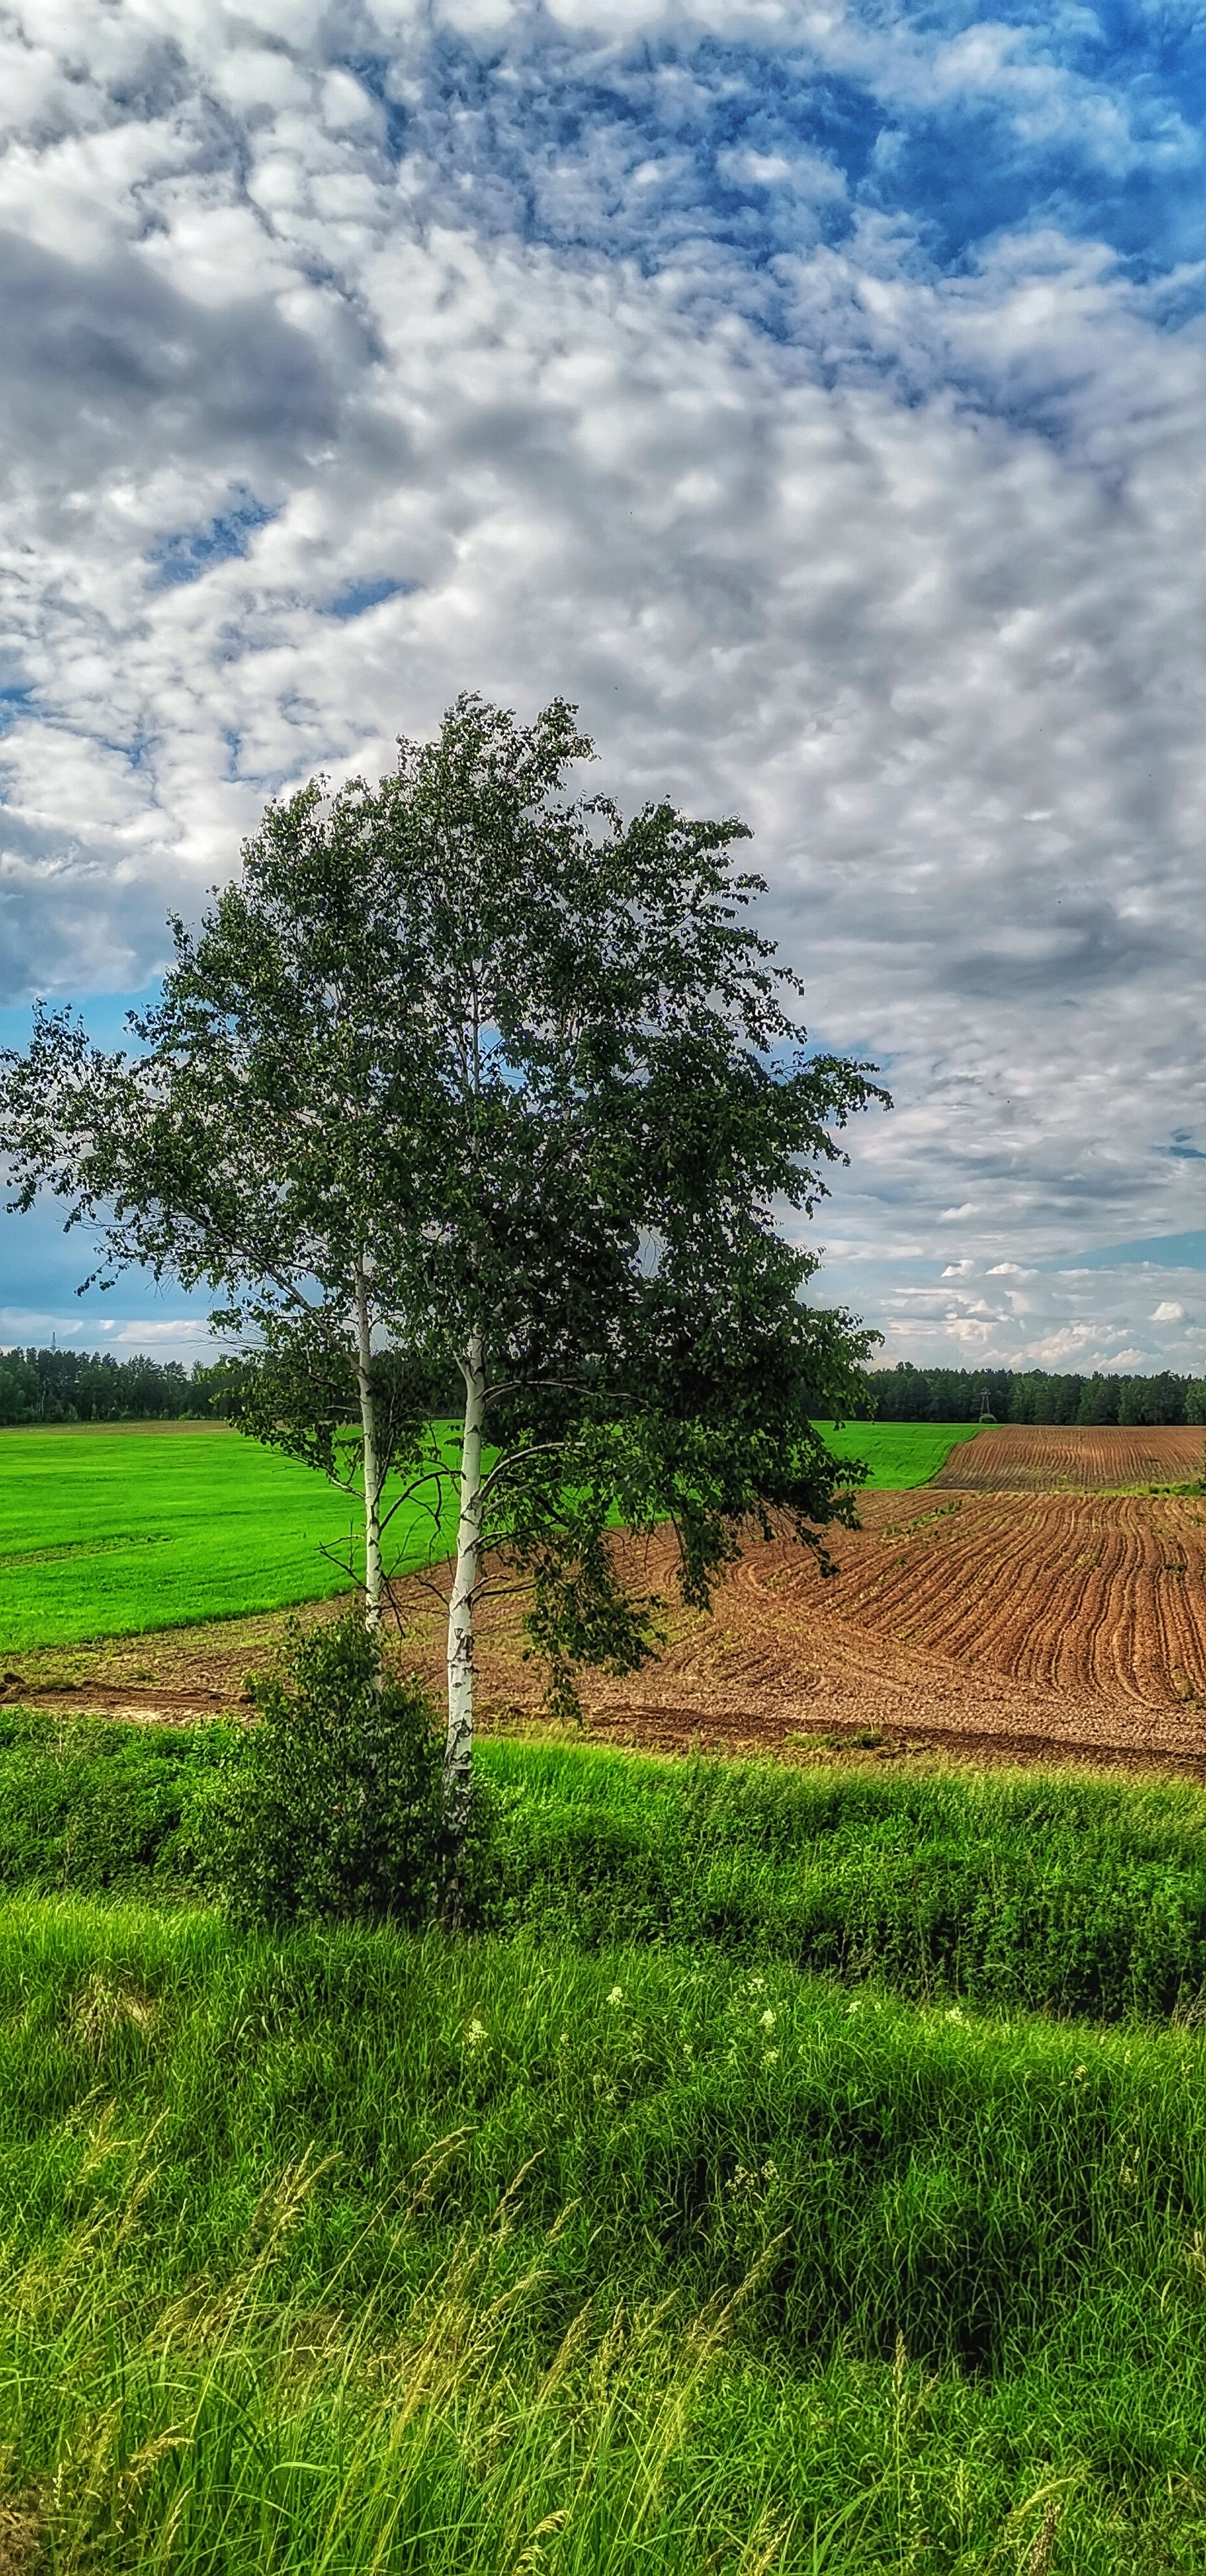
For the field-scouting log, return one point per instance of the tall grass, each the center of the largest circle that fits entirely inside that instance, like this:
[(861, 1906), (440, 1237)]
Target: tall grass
[(1073, 1894), (672, 2120), (356, 2251), (236, 2426), (612, 2240)]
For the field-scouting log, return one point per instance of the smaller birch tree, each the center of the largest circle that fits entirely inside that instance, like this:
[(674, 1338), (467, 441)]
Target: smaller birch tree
[(467, 1079), (256, 1140)]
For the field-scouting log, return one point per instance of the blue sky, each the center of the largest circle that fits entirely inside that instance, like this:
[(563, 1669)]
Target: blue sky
[(815, 394)]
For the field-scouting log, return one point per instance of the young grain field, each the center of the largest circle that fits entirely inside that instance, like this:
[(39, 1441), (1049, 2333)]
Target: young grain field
[(117, 1531), (112, 1530)]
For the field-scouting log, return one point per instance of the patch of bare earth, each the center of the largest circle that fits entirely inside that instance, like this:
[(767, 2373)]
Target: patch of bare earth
[(981, 1617), (1017, 1457)]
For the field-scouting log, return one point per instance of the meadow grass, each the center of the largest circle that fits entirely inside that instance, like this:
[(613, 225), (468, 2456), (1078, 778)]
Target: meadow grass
[(1071, 1893), (119, 1532), (899, 1455), (351, 2250)]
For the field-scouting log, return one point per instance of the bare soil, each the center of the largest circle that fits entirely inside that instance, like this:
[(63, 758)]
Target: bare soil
[(999, 1625), (1018, 1457)]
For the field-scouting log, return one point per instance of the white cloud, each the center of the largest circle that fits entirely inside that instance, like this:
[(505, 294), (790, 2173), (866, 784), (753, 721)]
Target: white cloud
[(143, 1330), (911, 580), (1064, 1349), (185, 1338), (809, 174), (1168, 1312)]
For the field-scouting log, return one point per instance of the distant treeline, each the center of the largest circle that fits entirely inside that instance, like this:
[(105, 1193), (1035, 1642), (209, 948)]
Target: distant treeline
[(94, 1386), (908, 1394)]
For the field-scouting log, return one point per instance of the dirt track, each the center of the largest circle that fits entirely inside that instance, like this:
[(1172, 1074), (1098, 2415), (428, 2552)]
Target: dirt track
[(996, 1624)]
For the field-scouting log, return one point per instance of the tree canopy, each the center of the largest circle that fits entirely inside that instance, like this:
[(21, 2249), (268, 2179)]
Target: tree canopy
[(467, 1083)]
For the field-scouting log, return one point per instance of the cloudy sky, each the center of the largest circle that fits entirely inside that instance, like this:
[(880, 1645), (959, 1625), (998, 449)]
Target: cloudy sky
[(815, 394)]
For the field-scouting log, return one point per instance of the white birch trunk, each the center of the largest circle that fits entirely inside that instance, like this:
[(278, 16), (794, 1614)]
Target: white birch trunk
[(458, 1747), (372, 1470)]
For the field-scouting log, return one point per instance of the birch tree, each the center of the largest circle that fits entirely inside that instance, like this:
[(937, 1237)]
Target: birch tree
[(255, 1136), (467, 1080)]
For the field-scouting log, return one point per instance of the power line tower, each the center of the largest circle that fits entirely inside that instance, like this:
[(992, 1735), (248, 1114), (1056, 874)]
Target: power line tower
[(986, 1411)]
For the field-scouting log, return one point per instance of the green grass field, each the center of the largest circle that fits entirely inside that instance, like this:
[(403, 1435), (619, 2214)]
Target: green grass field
[(610, 2239), (111, 1532), (899, 1454)]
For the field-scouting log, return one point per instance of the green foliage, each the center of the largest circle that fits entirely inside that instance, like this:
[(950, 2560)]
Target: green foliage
[(465, 1076), (910, 1394), (1030, 1893), (101, 1808), (1024, 1892), (95, 1386), (330, 1805), (683, 2257)]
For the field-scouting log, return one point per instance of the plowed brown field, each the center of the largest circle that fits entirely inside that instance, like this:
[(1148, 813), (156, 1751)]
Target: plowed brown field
[(1018, 1457), (1008, 1626), (1016, 1608)]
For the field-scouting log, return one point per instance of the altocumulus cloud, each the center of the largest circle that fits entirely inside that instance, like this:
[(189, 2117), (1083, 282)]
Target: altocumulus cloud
[(814, 394)]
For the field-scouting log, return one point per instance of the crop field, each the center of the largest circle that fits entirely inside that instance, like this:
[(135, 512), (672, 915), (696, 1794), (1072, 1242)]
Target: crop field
[(1079, 1593), (1014, 1622), (900, 1455), (117, 1531), (995, 1610), (1020, 1457), (109, 1532)]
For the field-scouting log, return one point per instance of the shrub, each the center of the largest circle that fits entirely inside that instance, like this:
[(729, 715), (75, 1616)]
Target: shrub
[(330, 1805)]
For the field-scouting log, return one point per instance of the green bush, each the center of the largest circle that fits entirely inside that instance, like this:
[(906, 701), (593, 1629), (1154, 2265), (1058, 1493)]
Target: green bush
[(329, 1807)]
